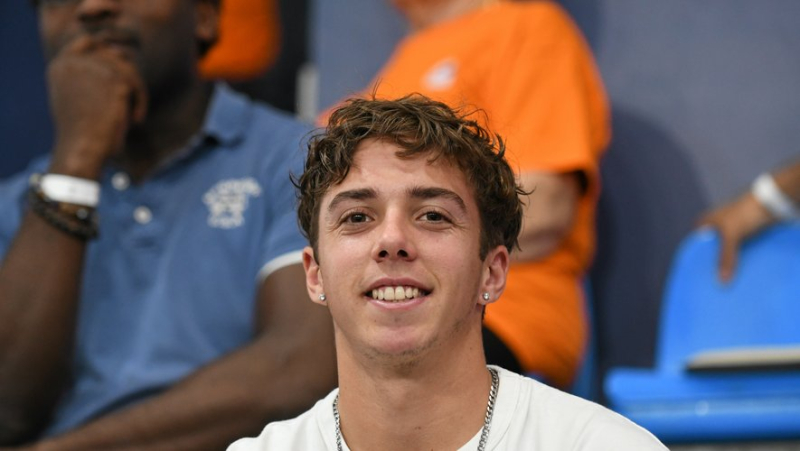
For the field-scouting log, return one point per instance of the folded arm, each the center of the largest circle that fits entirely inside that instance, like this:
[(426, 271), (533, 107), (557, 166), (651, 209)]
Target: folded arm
[(549, 212)]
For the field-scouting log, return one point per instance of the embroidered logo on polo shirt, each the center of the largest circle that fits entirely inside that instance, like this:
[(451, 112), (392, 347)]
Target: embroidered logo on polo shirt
[(442, 75), (228, 200)]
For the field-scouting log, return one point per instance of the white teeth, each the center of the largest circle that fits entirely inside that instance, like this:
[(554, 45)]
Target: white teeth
[(398, 293)]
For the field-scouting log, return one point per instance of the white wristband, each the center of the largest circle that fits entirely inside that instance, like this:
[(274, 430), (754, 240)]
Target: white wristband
[(72, 190), (770, 196)]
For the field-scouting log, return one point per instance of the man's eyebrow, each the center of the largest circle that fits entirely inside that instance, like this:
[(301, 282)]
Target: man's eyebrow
[(420, 192), (353, 194)]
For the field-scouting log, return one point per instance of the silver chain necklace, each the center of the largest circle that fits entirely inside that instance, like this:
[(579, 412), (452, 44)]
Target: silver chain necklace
[(487, 420)]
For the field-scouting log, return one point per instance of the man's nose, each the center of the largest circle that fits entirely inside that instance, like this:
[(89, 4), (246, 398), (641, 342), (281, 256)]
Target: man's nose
[(95, 12), (394, 240)]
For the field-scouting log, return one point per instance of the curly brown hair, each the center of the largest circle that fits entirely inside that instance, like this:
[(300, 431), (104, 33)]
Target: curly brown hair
[(419, 126)]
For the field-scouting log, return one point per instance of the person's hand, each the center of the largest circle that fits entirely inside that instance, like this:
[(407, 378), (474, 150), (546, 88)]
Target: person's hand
[(736, 222), (96, 93)]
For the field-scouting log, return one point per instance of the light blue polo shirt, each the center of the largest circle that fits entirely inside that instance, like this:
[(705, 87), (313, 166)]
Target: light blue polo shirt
[(170, 284)]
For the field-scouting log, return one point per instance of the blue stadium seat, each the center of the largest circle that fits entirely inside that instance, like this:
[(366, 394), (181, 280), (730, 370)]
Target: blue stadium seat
[(759, 308)]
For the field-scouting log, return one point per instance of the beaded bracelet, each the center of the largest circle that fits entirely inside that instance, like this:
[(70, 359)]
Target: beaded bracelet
[(78, 222)]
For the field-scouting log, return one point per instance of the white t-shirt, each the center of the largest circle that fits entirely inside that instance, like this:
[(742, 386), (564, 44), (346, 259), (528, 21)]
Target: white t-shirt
[(528, 415)]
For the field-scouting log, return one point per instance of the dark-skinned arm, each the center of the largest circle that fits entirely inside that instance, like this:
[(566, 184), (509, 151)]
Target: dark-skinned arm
[(90, 92), (38, 305), (289, 366)]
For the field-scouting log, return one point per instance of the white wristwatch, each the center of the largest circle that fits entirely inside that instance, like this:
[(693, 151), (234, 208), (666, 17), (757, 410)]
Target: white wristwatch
[(770, 196), (71, 190)]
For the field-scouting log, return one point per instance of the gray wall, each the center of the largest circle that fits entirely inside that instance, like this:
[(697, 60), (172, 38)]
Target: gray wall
[(350, 41), (704, 97)]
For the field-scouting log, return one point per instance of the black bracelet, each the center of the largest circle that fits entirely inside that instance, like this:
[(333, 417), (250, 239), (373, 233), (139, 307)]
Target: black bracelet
[(82, 224)]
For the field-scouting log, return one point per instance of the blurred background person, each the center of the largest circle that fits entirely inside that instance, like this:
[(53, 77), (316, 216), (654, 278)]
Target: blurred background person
[(262, 47), (150, 274)]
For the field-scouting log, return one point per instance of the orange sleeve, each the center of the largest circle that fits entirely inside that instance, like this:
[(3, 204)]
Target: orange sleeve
[(249, 40), (546, 97)]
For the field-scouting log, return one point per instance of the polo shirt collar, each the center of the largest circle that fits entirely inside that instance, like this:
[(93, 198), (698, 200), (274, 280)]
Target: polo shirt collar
[(228, 116), (225, 125)]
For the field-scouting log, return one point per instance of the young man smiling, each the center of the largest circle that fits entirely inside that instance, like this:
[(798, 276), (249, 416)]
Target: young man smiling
[(411, 211)]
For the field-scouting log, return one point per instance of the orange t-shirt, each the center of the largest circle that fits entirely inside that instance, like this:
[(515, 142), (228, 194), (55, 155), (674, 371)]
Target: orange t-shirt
[(526, 65), (249, 40)]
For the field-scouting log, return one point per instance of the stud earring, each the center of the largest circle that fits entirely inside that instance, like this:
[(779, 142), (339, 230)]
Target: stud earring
[(323, 298), (485, 296)]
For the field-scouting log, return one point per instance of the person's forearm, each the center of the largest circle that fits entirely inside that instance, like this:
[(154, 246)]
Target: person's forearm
[(270, 379), (538, 244), (549, 213), (39, 281), (788, 180), (753, 211)]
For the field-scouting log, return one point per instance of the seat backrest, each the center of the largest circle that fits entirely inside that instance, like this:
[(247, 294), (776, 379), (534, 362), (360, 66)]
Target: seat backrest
[(759, 307)]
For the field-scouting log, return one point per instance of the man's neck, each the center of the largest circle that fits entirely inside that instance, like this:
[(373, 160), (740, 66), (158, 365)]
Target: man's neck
[(422, 15), (438, 403), (170, 124)]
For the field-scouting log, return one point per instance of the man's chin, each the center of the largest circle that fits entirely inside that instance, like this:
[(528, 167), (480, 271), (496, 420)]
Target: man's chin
[(403, 348)]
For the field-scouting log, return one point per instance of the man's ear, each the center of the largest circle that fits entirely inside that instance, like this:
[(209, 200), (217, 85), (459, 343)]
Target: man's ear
[(207, 26), (313, 276), (495, 271)]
